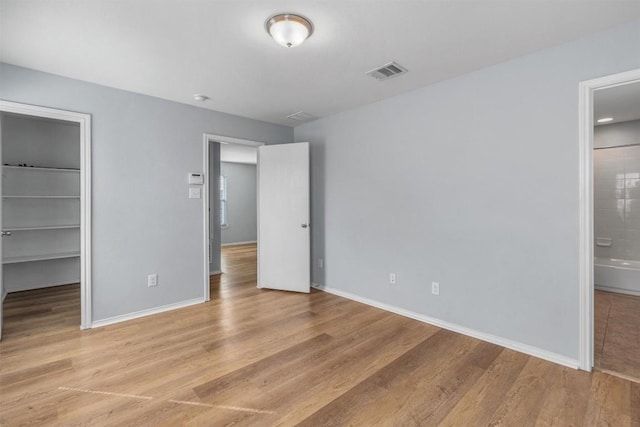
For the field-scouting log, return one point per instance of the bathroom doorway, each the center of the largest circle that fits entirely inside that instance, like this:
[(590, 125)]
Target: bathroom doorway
[(616, 230)]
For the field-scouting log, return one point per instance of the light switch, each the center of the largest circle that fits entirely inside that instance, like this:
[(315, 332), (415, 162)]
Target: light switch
[(195, 192)]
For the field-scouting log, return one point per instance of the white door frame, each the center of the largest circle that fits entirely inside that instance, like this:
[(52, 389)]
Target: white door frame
[(84, 120), (587, 89), (207, 139)]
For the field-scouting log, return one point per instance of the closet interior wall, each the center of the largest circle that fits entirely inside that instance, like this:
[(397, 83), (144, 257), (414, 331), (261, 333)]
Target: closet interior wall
[(40, 202)]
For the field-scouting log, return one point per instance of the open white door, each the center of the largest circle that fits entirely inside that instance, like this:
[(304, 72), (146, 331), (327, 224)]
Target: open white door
[(283, 217)]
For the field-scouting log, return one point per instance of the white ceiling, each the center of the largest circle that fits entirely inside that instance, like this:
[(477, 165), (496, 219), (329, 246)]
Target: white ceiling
[(622, 103), (236, 153), (173, 49)]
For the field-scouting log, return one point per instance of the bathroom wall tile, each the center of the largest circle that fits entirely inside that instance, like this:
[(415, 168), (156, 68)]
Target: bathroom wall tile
[(632, 222), (608, 153), (606, 169), (602, 252), (606, 221), (632, 152), (617, 201), (632, 180), (632, 161), (632, 207), (632, 193), (617, 205)]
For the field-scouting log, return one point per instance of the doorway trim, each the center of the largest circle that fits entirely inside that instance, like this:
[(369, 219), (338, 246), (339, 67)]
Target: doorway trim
[(207, 139), (585, 147), (84, 120)]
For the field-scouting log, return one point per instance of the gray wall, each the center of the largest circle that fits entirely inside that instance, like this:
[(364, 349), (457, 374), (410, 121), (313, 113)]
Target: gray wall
[(53, 143), (143, 220), (241, 203), (472, 182), (617, 134)]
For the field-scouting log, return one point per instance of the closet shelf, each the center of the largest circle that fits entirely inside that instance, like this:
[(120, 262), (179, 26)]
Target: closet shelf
[(41, 227), (40, 257), (41, 169), (40, 197)]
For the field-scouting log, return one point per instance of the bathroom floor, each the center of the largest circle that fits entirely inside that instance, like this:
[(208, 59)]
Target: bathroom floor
[(617, 334)]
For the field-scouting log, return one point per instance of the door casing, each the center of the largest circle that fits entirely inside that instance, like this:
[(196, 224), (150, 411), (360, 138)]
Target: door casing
[(84, 121), (207, 139), (585, 249)]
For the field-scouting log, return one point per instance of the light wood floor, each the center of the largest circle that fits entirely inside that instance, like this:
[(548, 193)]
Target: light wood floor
[(258, 357), (617, 334)]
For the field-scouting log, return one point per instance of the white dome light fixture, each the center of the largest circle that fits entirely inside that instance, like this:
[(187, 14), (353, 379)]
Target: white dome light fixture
[(288, 29)]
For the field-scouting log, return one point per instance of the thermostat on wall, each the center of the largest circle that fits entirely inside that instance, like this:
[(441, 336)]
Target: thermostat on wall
[(196, 178)]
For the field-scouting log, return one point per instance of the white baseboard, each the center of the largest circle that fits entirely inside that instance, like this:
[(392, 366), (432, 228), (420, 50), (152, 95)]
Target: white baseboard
[(147, 312), (40, 286), (503, 342), (617, 290), (4, 294), (239, 243)]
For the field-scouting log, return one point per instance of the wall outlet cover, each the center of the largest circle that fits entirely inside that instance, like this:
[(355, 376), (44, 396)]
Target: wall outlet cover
[(152, 280), (435, 288)]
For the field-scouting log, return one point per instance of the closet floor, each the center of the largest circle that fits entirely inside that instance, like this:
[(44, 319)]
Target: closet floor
[(617, 334), (42, 311)]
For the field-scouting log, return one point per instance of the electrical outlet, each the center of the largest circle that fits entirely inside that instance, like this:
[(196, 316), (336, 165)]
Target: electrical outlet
[(435, 288), (320, 263), (392, 278), (152, 280)]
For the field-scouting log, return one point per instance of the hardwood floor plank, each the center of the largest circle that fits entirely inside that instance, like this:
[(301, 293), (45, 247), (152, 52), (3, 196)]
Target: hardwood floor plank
[(488, 393), (325, 372), (280, 359), (13, 378), (609, 401), (635, 404), (341, 410), (566, 400), (431, 390), (524, 400)]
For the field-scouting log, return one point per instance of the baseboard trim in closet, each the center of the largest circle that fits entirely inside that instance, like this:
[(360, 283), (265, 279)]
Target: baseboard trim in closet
[(40, 286), (147, 312), (239, 243)]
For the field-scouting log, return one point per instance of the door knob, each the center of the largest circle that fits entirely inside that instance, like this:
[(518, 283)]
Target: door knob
[(5, 233), (304, 225)]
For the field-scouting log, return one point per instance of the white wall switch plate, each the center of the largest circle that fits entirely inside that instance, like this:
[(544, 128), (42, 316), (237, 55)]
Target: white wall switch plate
[(392, 278), (320, 263), (152, 280), (195, 192)]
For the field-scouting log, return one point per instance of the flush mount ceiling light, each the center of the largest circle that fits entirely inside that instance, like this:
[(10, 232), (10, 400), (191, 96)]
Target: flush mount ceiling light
[(605, 119), (289, 30), (201, 98)]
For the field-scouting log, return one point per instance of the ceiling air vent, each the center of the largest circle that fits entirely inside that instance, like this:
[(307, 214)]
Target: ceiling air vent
[(387, 71), (301, 116)]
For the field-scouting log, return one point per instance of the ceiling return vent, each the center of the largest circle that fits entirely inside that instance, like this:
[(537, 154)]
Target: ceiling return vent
[(387, 71), (301, 116)]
